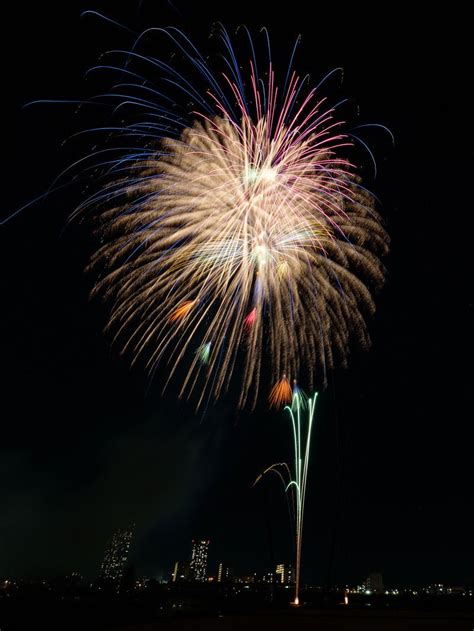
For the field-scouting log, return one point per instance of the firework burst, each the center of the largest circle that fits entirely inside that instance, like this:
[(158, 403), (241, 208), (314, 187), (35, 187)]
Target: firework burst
[(238, 234), (281, 393)]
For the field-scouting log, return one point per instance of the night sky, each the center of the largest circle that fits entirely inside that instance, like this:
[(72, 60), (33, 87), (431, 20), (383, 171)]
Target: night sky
[(89, 445)]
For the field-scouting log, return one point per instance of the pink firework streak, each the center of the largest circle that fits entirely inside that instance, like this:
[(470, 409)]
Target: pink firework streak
[(250, 319)]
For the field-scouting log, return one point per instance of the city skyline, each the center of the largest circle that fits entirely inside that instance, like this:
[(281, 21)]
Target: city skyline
[(116, 560)]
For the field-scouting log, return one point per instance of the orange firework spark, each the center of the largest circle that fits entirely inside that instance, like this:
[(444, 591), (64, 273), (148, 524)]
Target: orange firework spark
[(281, 393), (182, 310)]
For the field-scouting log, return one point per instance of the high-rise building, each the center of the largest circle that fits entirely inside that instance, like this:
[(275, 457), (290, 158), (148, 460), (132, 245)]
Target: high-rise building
[(374, 583), (181, 571), (224, 573), (285, 574), (198, 565), (115, 557)]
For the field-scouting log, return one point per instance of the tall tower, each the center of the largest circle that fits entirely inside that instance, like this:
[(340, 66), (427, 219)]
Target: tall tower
[(115, 557), (285, 574), (198, 565), (225, 573)]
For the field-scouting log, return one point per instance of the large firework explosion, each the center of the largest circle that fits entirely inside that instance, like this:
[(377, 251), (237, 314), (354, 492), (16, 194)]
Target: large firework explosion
[(237, 240)]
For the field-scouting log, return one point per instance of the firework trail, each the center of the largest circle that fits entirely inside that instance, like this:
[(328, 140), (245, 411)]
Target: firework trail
[(294, 480), (237, 240)]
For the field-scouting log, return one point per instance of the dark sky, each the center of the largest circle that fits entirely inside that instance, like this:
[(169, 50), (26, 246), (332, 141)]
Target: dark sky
[(87, 447)]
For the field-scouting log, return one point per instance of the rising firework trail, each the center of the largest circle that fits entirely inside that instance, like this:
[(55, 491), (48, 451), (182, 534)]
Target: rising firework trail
[(237, 243), (301, 412)]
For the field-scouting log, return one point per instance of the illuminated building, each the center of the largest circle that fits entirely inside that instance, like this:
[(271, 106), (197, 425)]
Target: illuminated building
[(180, 572), (280, 572), (115, 557), (225, 573), (198, 565), (285, 574), (374, 583)]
